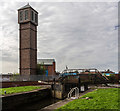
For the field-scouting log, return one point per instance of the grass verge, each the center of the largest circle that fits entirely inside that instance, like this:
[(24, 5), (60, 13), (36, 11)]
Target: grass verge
[(101, 99), (12, 90)]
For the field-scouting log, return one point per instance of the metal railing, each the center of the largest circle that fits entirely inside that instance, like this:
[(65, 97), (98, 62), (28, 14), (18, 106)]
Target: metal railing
[(28, 77), (76, 89)]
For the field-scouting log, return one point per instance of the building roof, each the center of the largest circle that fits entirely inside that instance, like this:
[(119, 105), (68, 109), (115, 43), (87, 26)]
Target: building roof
[(26, 6), (45, 61)]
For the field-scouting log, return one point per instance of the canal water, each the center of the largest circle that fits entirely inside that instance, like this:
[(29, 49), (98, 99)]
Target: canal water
[(36, 106)]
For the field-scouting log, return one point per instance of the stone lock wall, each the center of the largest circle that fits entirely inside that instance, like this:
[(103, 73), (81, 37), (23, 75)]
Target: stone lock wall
[(12, 101)]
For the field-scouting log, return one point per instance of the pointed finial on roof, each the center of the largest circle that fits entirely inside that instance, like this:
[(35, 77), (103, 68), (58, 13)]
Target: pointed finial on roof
[(26, 6), (28, 3)]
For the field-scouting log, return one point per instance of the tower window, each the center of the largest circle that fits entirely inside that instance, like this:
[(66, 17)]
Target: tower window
[(26, 14), (32, 15), (21, 15), (36, 19)]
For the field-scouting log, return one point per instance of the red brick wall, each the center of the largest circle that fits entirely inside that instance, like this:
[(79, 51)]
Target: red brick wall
[(28, 48), (117, 76), (50, 70), (54, 68)]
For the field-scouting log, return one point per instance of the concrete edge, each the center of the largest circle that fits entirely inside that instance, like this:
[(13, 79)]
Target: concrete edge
[(15, 94), (63, 102)]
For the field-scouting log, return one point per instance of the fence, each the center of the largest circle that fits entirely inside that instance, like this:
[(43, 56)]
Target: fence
[(27, 77)]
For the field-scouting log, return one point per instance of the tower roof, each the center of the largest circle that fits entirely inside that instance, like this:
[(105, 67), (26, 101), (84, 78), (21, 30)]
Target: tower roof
[(26, 6)]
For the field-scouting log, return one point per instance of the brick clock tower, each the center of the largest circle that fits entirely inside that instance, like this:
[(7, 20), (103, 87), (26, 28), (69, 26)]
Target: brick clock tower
[(28, 21)]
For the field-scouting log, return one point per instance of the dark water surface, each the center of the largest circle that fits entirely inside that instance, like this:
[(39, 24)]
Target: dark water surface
[(36, 106)]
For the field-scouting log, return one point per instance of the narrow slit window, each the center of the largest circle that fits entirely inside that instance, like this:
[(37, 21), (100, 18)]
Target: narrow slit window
[(32, 15), (26, 14), (21, 15), (36, 19)]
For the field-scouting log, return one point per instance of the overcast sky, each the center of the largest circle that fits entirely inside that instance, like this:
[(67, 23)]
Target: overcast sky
[(79, 35)]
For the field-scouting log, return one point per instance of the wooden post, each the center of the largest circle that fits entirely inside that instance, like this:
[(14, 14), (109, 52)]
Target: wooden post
[(79, 84), (54, 86), (95, 77), (86, 86), (63, 90)]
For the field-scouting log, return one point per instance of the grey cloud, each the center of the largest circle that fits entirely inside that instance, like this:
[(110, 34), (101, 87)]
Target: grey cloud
[(79, 35)]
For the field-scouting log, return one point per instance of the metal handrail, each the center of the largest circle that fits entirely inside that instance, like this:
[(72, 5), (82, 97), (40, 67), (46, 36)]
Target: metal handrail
[(72, 70), (28, 77), (76, 89)]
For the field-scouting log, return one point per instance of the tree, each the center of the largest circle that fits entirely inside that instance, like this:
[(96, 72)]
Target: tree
[(76, 72), (41, 69), (112, 78)]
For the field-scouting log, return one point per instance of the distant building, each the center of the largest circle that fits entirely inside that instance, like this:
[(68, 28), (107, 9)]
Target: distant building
[(107, 72), (48, 65)]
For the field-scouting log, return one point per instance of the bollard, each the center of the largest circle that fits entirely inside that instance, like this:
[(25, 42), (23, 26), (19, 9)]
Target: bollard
[(4, 92)]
